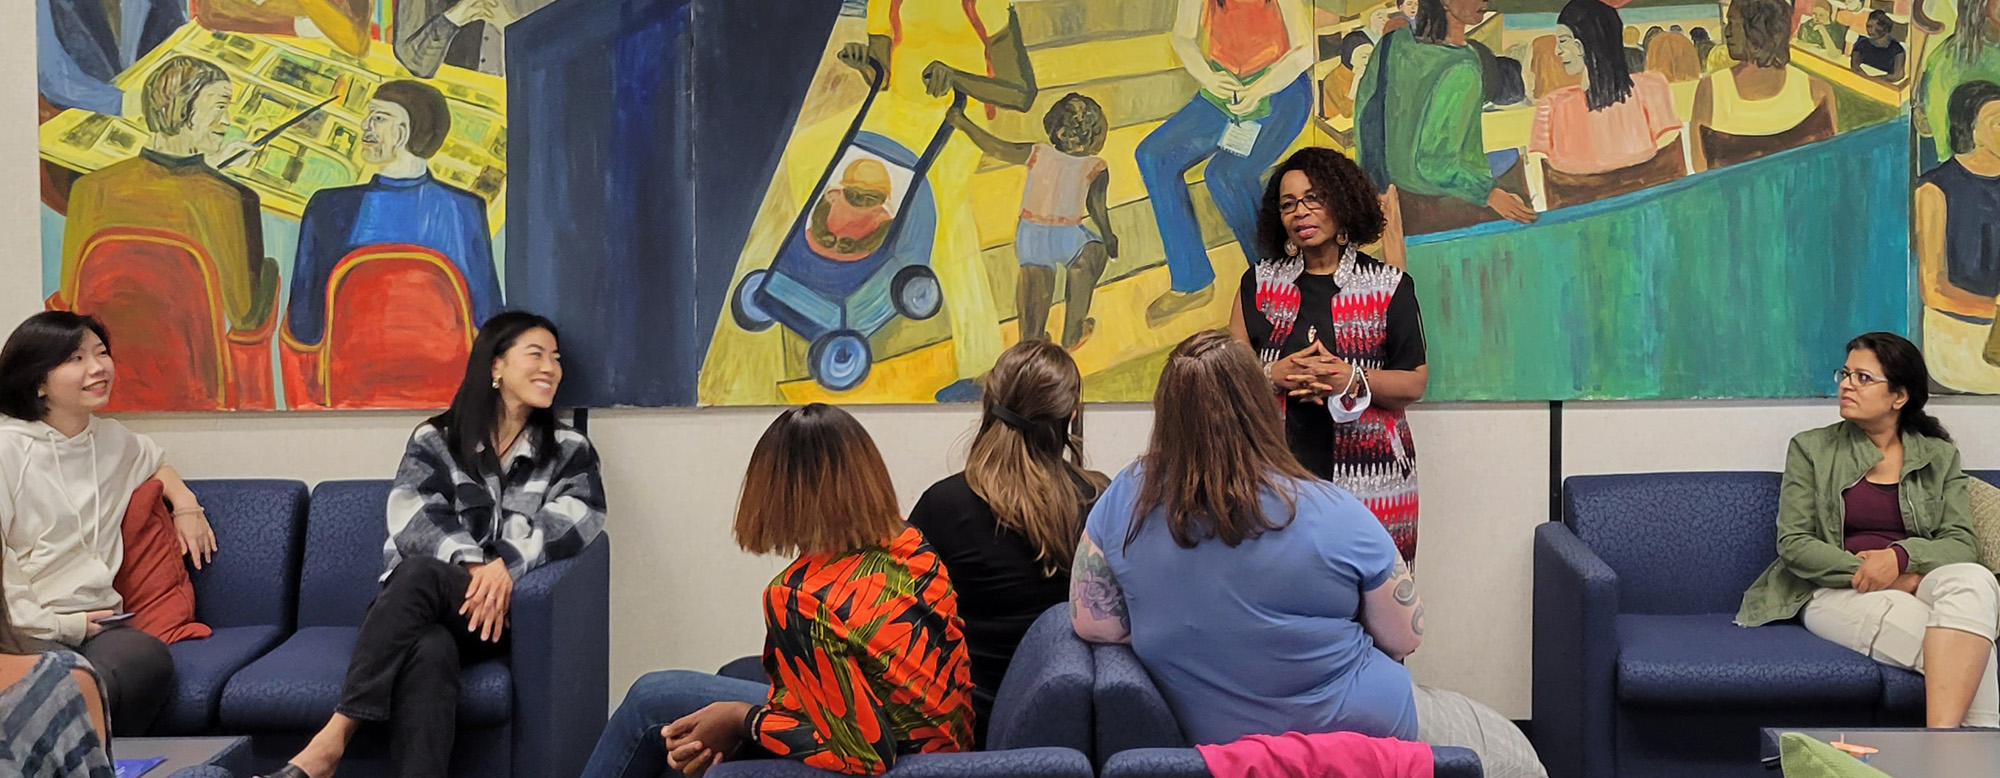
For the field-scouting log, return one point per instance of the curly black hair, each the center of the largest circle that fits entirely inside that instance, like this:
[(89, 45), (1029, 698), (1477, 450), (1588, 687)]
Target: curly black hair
[(1343, 185)]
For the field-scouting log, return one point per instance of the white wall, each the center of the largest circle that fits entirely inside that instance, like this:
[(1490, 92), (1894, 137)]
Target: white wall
[(683, 596)]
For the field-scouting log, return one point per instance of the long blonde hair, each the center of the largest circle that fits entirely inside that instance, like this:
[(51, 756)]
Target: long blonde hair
[(1029, 450), (1547, 66)]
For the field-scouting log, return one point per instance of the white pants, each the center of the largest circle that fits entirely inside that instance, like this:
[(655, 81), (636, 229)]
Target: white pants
[(1452, 719), (1889, 625)]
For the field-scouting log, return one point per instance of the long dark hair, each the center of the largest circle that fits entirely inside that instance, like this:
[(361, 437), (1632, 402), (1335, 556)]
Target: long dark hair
[(1433, 22), (1218, 446), (1029, 451), (1903, 365), (38, 346), (1600, 30), (475, 410)]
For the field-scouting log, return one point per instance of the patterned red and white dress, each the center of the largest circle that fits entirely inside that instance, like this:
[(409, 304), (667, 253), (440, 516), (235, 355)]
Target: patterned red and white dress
[(1366, 313)]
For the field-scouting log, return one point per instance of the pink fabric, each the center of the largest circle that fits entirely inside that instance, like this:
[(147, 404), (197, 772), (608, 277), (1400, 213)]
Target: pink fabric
[(1324, 755), (1579, 140)]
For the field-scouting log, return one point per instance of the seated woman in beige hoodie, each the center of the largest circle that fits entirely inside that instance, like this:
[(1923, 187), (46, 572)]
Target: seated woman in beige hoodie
[(66, 478)]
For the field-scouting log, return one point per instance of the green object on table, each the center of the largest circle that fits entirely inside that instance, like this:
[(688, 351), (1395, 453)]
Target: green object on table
[(1804, 757)]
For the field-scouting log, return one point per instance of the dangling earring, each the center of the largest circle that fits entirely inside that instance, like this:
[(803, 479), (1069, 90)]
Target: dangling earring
[(1290, 249)]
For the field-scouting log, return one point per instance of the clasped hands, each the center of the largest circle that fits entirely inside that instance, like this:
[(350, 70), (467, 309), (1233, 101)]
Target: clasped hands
[(487, 599), (1313, 374), (1880, 570), (702, 739)]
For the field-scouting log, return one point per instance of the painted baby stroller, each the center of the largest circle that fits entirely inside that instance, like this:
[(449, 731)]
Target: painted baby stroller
[(856, 258)]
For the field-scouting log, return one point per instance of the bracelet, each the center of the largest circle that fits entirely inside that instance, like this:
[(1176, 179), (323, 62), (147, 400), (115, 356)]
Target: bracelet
[(195, 510), (752, 719)]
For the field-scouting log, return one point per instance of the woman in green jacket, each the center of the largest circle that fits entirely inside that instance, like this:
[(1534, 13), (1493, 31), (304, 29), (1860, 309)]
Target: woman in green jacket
[(1875, 548)]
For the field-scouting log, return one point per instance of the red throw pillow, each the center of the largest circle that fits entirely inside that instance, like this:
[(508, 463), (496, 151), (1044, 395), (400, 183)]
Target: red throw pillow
[(152, 579)]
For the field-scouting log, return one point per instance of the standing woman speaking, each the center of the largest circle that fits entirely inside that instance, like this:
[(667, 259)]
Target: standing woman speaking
[(1339, 334)]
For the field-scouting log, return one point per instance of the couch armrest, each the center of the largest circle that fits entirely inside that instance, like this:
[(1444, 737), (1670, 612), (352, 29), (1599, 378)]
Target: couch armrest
[(1017, 763), (1575, 651), (561, 661), (1156, 763), (1045, 699), (1455, 762), (1130, 712)]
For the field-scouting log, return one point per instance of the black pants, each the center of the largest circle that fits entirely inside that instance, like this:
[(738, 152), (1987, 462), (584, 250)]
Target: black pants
[(137, 671), (406, 663)]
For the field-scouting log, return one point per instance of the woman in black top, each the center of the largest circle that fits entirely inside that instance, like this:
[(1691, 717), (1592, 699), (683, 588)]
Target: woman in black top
[(1879, 50), (1007, 526), (1339, 334)]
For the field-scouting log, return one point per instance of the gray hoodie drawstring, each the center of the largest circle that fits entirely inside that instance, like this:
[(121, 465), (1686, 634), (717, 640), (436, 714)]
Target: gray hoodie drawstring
[(62, 484)]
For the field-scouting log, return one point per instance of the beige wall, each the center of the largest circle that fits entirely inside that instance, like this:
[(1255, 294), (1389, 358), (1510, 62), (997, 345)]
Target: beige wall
[(684, 597)]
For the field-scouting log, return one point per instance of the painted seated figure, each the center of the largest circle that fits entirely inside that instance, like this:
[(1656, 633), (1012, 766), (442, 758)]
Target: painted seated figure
[(1762, 96), (402, 209), (852, 219), (170, 204)]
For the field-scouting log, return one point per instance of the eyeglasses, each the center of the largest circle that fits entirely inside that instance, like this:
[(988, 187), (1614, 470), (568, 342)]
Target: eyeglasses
[(1862, 379), (1312, 201)]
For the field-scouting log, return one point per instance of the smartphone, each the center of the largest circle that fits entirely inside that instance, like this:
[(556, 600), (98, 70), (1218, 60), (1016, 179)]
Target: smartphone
[(117, 619)]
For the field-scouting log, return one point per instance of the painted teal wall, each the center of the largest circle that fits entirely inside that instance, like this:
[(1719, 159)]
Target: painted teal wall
[(1740, 282)]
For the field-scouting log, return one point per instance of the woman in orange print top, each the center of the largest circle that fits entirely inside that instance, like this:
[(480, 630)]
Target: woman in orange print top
[(863, 641)]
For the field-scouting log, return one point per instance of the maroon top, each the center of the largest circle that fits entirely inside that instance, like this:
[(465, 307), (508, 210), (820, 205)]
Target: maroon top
[(1874, 521)]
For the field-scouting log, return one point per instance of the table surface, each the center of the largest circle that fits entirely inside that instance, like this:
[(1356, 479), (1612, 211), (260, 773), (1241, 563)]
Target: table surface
[(179, 751), (1913, 753)]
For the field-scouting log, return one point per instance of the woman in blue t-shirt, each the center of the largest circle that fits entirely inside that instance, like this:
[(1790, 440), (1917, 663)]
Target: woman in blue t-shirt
[(1261, 599)]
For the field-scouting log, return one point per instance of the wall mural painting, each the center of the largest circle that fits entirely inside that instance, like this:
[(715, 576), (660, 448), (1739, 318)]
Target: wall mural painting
[(276, 204), (303, 204), (1598, 200)]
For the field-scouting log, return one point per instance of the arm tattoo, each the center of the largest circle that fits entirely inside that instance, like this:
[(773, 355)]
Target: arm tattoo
[(1417, 620), (1406, 587), (1093, 587)]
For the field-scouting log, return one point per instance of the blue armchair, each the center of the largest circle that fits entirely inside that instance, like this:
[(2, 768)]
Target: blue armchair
[(1639, 668), (536, 712), (1040, 726), (1138, 737), (248, 595)]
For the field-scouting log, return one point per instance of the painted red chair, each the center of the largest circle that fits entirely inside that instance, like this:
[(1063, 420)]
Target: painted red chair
[(159, 294), (398, 331)]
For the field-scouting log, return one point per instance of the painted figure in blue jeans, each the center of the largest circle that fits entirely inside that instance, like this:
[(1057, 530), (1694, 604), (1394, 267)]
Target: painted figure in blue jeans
[(1251, 59)]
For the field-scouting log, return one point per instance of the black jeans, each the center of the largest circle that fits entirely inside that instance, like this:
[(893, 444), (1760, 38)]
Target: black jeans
[(406, 663), (138, 674)]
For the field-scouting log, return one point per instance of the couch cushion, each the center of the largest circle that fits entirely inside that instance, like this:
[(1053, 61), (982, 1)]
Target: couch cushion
[(1983, 503), (294, 688), (1902, 698), (201, 669), (341, 574), (260, 530), (1648, 527), (152, 580), (1706, 661)]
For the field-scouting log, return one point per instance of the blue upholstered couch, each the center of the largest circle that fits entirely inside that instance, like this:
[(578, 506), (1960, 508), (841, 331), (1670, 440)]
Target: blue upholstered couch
[(1040, 727), (286, 595), (1138, 737), (1639, 669)]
